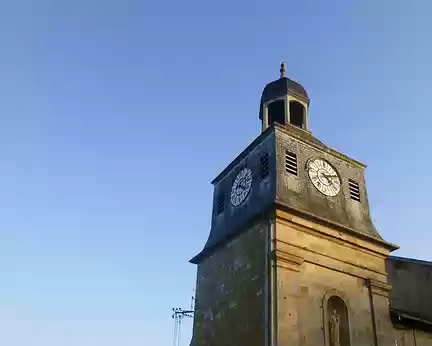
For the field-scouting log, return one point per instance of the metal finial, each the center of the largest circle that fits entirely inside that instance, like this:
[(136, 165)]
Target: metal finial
[(283, 69)]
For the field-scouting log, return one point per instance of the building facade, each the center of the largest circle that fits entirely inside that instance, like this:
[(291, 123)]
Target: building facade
[(293, 257)]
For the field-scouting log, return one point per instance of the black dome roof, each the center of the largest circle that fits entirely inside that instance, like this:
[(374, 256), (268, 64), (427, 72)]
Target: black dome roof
[(282, 87)]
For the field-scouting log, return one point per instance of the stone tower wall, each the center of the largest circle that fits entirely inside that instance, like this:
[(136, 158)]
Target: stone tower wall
[(230, 292)]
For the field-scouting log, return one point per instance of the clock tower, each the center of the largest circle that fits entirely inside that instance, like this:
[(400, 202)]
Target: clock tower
[(292, 257)]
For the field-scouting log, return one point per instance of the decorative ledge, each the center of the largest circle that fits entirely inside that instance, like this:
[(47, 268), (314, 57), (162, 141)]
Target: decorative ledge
[(378, 287), (287, 260)]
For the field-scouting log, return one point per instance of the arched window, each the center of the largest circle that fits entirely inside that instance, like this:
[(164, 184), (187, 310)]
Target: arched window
[(336, 322), (276, 112), (297, 116)]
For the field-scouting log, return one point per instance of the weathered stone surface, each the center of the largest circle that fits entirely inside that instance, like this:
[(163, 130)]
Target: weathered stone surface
[(331, 266), (298, 192), (230, 292), (233, 219)]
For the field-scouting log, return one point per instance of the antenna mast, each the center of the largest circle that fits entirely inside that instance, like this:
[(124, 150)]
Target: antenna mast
[(178, 315)]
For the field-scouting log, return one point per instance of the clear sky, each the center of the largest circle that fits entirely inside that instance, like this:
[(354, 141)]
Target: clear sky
[(116, 115)]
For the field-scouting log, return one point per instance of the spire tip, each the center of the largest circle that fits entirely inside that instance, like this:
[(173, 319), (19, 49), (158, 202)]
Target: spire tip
[(283, 69)]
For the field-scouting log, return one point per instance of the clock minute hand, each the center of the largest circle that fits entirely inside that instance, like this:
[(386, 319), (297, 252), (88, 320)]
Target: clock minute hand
[(330, 176), (330, 181)]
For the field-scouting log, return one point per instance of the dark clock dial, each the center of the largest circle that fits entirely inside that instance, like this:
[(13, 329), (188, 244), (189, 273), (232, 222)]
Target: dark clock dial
[(241, 187)]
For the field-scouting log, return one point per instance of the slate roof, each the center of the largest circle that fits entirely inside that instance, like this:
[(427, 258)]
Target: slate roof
[(282, 87), (411, 294)]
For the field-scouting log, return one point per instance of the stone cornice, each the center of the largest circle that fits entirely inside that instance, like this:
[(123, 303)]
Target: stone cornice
[(327, 258), (282, 207), (287, 260), (313, 142), (378, 287), (243, 154)]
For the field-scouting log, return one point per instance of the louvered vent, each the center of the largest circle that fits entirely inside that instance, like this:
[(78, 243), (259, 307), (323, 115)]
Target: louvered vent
[(220, 207), (354, 190), (264, 166), (291, 163)]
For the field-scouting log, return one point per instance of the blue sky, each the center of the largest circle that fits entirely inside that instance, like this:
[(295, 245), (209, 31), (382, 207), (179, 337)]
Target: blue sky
[(116, 115)]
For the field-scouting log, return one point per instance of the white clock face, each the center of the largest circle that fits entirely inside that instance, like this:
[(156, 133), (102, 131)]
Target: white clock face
[(241, 186), (324, 177)]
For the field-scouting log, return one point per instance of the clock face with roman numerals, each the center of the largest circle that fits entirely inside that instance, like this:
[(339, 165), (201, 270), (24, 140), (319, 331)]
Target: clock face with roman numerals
[(324, 177), (241, 187)]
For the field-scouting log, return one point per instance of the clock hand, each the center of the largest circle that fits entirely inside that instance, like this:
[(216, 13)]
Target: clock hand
[(330, 182), (331, 176)]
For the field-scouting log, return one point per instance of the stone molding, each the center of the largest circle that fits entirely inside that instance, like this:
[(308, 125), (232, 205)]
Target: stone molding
[(378, 287), (287, 260), (289, 214)]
